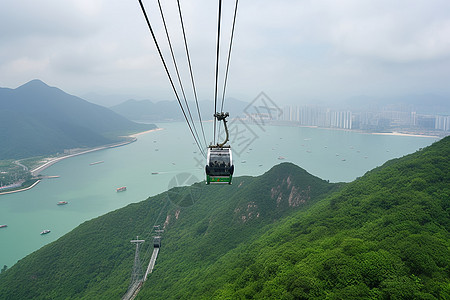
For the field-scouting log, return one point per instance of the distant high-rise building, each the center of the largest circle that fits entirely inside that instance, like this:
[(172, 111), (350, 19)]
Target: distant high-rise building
[(442, 123)]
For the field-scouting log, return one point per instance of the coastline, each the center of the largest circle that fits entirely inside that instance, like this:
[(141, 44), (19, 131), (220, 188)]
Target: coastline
[(144, 132), (394, 133), (406, 134), (133, 137), (51, 162), (39, 169), (21, 190)]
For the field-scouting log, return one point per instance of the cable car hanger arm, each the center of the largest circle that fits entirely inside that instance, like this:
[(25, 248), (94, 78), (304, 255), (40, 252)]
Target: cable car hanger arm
[(222, 117)]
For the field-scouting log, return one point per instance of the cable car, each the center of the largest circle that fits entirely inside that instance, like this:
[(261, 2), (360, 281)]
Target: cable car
[(219, 162), (157, 242), (219, 168)]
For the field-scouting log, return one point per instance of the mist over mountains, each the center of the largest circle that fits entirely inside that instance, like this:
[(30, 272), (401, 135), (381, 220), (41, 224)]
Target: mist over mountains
[(423, 103), (149, 111), (36, 119)]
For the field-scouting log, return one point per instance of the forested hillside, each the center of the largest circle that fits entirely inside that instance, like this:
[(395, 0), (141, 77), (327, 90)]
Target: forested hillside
[(283, 235), (36, 119), (94, 261), (384, 236)]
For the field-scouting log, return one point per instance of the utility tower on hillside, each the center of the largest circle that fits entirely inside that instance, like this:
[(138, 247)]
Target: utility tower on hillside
[(137, 273)]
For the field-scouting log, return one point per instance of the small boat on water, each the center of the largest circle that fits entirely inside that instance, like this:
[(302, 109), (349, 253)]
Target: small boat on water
[(155, 173), (45, 231), (62, 203), (121, 189), (281, 157), (96, 163), (3, 226)]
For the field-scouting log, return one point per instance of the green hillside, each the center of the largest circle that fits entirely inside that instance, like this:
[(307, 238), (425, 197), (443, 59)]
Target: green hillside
[(36, 119), (96, 258), (384, 236), (283, 235)]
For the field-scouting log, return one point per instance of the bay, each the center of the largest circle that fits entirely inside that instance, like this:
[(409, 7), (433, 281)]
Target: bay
[(147, 167)]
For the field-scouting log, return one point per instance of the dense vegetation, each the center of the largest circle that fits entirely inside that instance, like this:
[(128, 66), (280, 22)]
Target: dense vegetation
[(385, 236), (36, 119), (11, 172), (282, 235)]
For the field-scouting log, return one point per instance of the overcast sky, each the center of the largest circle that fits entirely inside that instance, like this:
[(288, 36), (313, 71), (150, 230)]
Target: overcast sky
[(293, 50)]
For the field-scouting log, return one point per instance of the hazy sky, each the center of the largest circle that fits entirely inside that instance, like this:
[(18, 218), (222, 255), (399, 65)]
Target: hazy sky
[(293, 50)]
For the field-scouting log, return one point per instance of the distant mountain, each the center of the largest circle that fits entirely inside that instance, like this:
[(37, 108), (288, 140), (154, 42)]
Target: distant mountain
[(148, 111), (282, 235), (36, 119)]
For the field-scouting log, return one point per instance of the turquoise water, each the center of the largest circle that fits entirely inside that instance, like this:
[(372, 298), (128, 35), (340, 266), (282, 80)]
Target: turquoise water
[(91, 190)]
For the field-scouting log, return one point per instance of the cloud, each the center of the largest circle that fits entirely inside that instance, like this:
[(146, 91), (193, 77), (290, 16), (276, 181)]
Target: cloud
[(291, 49), (406, 32)]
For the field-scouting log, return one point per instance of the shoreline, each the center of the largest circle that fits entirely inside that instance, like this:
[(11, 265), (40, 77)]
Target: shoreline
[(406, 134), (36, 171), (394, 133), (51, 162), (144, 132), (21, 190)]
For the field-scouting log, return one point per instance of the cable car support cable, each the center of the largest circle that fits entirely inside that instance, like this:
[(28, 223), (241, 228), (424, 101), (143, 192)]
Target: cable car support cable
[(228, 59), (176, 68), (217, 65), (229, 54), (168, 74), (190, 70)]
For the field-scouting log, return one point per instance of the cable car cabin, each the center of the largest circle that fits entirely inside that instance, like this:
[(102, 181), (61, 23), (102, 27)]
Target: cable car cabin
[(157, 242), (219, 168)]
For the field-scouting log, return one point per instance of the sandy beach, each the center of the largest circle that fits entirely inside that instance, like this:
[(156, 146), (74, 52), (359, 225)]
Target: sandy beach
[(51, 162), (144, 132), (405, 134)]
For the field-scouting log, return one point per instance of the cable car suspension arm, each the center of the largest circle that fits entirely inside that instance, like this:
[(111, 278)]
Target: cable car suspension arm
[(222, 117)]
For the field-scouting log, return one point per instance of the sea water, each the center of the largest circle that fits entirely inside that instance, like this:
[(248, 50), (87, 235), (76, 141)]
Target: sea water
[(147, 166)]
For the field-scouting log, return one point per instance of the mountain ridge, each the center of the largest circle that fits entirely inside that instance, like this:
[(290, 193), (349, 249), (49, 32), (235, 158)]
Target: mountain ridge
[(283, 235), (37, 119), (147, 110)]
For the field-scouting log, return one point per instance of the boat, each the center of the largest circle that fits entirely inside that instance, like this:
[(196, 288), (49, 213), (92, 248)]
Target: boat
[(62, 203), (3, 226), (121, 189), (281, 157), (155, 173), (45, 231), (96, 163)]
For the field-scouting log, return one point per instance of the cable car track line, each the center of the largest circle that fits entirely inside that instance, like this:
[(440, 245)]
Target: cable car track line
[(217, 66), (229, 55), (168, 74), (176, 68), (190, 70), (228, 59)]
